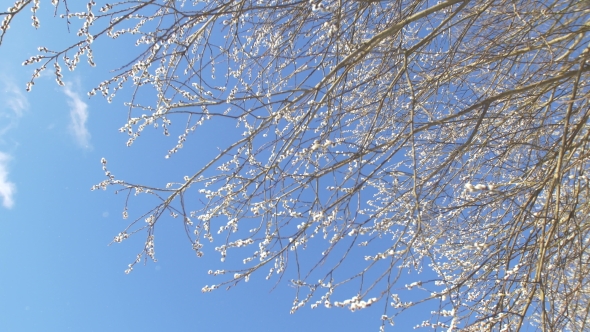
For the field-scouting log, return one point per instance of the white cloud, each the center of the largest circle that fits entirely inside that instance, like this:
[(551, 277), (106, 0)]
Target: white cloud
[(7, 188), (14, 103), (78, 117)]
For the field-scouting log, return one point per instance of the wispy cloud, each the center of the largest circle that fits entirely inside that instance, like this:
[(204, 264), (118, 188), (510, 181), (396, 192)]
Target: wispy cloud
[(13, 105), (78, 117), (7, 188)]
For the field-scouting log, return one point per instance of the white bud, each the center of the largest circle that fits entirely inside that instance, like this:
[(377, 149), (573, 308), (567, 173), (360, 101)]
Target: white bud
[(314, 146), (481, 186)]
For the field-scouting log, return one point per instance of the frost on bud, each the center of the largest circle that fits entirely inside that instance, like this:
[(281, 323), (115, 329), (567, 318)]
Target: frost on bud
[(105, 8), (318, 7), (478, 187), (314, 146), (481, 186), (414, 284)]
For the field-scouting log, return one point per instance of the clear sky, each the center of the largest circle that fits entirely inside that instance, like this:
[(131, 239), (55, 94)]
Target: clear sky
[(56, 271)]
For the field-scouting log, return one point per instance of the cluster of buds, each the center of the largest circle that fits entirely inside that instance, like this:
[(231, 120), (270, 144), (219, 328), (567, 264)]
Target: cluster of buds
[(317, 145), (355, 303), (120, 237), (317, 6), (478, 187), (58, 74), (33, 59)]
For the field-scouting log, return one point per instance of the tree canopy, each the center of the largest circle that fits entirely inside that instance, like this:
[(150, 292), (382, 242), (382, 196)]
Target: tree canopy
[(446, 139)]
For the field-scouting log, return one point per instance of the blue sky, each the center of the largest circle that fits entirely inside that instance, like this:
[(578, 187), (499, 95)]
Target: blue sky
[(56, 271)]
